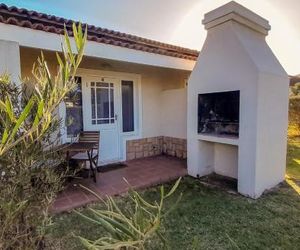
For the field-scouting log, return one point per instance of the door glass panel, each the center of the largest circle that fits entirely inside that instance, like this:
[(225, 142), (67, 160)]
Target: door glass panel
[(104, 121), (112, 111), (127, 106), (102, 103), (93, 99)]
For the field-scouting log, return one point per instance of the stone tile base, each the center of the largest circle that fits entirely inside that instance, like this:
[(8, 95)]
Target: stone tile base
[(174, 147), (153, 146), (141, 148)]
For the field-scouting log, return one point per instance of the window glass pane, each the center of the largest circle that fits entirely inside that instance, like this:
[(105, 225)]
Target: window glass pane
[(93, 103), (127, 106), (103, 121), (102, 103), (102, 84), (112, 111), (73, 101)]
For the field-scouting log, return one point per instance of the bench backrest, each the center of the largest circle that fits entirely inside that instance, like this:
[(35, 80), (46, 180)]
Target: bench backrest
[(90, 136)]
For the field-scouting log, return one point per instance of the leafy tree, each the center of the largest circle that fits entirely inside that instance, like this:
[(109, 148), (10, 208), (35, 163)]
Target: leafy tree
[(29, 131)]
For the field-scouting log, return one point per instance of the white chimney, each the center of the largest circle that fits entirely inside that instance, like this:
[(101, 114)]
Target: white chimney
[(243, 136)]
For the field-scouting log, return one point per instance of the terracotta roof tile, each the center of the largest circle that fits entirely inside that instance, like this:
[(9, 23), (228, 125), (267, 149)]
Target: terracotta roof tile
[(49, 23)]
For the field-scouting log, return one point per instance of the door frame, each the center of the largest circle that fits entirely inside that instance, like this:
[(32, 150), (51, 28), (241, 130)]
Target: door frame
[(110, 154), (119, 76)]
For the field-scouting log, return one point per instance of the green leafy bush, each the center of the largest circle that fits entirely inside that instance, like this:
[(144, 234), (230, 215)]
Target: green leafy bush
[(295, 89), (28, 133), (294, 117), (129, 228)]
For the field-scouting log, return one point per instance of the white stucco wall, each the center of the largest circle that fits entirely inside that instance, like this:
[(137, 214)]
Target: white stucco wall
[(271, 130), (223, 66), (162, 91), (174, 113), (154, 82), (226, 160), (10, 59), (151, 101)]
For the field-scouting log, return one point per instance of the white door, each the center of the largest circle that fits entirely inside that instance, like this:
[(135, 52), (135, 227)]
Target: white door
[(101, 104)]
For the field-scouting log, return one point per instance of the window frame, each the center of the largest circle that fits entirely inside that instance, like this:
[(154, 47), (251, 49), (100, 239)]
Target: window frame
[(133, 106)]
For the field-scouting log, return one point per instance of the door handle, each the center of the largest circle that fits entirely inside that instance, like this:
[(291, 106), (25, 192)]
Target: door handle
[(116, 117)]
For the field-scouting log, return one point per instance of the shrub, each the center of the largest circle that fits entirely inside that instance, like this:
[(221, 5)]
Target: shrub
[(295, 89), (294, 117), (28, 133)]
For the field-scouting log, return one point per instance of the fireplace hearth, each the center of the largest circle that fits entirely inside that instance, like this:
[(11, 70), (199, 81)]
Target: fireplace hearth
[(218, 113)]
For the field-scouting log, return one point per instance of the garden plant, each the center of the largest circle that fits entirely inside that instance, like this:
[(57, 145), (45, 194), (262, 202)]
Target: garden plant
[(131, 227), (29, 131)]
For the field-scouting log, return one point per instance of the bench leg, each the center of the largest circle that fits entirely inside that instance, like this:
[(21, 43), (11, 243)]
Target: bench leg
[(92, 167)]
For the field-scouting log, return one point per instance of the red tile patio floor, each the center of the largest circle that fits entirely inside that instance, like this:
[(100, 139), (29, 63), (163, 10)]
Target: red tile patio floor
[(139, 173)]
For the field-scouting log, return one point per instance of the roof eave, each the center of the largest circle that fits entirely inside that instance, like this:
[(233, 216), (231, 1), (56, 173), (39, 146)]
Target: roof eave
[(31, 38)]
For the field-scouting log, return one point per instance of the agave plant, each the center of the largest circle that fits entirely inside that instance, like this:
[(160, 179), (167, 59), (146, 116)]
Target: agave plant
[(132, 228)]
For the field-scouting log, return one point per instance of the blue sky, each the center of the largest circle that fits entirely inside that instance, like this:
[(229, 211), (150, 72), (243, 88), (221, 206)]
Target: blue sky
[(178, 21)]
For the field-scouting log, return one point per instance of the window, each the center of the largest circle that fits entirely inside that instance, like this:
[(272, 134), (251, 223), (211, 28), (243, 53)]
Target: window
[(127, 106), (73, 103), (102, 101)]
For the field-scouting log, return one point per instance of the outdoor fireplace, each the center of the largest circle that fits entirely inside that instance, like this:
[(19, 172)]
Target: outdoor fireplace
[(218, 113), (237, 103)]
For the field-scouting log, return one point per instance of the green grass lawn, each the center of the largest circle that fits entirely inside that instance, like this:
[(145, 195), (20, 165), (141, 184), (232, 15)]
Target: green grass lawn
[(209, 218), (293, 159)]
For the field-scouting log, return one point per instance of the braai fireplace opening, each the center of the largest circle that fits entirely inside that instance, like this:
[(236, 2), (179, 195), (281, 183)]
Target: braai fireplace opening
[(218, 113)]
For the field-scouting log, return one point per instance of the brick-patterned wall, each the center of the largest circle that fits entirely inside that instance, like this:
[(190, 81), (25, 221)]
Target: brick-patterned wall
[(146, 147), (143, 147), (174, 147)]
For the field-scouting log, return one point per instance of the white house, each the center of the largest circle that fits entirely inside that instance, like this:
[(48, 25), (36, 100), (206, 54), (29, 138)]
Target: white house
[(128, 85), (138, 94)]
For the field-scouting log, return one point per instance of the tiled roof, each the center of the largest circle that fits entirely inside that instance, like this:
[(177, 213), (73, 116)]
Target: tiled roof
[(49, 23)]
